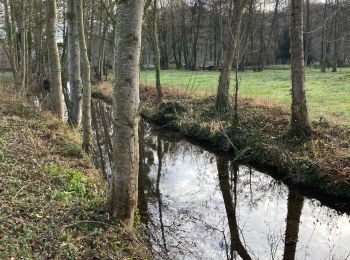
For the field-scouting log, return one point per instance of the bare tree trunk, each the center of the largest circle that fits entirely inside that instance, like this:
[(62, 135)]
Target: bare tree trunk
[(10, 42), (335, 47), (102, 53), (55, 66), (74, 66), (157, 53), (85, 69), (24, 47), (222, 97), (235, 101), (300, 125), (324, 30), (174, 42), (307, 34), (28, 52), (261, 61), (196, 35), (124, 182), (230, 42), (272, 29)]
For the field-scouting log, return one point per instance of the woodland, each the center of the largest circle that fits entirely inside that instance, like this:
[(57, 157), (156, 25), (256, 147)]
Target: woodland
[(174, 129)]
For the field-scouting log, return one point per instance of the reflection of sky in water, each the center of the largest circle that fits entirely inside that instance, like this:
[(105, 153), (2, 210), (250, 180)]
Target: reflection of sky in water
[(195, 220)]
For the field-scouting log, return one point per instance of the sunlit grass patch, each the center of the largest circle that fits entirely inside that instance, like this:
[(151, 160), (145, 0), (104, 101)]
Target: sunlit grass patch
[(328, 94)]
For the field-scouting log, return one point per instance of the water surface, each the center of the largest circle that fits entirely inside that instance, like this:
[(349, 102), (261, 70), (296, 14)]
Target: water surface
[(197, 205)]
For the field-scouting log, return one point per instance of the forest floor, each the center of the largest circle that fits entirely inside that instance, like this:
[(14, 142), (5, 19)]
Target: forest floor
[(321, 164), (51, 197), (328, 94)]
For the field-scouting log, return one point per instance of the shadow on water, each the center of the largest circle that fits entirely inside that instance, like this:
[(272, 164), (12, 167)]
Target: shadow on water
[(197, 205)]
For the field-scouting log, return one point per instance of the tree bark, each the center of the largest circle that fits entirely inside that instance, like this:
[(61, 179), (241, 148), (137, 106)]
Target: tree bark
[(24, 47), (307, 34), (196, 36), (157, 53), (85, 69), (124, 182), (261, 60), (230, 42), (74, 66), (10, 42), (300, 125), (335, 39), (324, 30), (55, 66)]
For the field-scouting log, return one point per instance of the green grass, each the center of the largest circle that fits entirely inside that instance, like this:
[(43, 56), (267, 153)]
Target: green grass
[(328, 94), (6, 75)]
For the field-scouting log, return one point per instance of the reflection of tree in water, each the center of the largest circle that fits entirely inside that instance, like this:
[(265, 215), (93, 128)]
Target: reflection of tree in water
[(102, 137), (295, 206), (230, 206), (168, 235), (173, 224), (146, 161), (160, 155), (255, 186)]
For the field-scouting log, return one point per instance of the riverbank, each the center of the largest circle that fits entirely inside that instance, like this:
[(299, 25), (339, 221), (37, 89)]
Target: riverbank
[(51, 197), (321, 164)]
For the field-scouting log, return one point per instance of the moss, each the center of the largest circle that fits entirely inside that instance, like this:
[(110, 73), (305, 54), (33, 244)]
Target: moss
[(169, 111)]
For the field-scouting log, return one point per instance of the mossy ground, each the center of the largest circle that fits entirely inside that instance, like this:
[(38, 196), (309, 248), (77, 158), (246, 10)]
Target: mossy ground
[(51, 197)]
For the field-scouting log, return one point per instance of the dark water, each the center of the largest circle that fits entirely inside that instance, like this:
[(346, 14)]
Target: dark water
[(196, 205)]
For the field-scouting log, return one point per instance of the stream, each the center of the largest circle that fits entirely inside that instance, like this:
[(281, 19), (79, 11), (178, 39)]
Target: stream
[(194, 204)]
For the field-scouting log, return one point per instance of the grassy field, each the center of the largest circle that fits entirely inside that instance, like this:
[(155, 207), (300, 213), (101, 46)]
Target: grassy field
[(328, 94)]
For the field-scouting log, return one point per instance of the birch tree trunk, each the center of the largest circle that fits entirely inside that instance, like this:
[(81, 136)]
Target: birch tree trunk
[(55, 67), (85, 69), (74, 66), (300, 125), (124, 181)]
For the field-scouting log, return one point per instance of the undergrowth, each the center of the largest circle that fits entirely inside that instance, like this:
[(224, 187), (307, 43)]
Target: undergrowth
[(52, 199)]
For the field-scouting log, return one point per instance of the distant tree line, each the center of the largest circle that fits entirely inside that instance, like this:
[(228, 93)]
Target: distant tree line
[(191, 32)]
